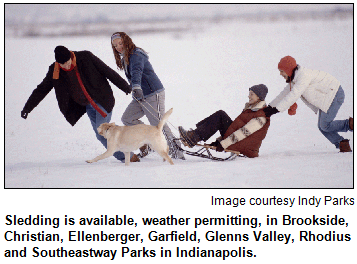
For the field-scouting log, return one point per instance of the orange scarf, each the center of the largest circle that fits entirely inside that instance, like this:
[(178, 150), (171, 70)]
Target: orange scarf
[(57, 66), (74, 65)]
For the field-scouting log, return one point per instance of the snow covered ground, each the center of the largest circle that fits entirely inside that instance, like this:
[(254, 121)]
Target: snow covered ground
[(202, 72)]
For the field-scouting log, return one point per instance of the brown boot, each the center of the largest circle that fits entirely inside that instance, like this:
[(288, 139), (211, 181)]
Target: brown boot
[(189, 138), (351, 123), (345, 146), (144, 151), (134, 158)]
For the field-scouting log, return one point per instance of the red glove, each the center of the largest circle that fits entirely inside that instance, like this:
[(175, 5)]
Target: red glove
[(292, 109)]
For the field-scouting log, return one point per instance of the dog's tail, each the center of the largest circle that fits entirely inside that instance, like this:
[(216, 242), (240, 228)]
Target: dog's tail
[(164, 119)]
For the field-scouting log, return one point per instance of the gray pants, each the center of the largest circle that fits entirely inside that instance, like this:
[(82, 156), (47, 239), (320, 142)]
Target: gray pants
[(153, 108)]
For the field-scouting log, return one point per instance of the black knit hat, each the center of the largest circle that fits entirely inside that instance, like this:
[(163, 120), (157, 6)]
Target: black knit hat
[(62, 54), (260, 90)]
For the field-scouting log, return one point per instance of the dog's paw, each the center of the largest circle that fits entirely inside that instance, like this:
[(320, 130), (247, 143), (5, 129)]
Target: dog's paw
[(89, 161)]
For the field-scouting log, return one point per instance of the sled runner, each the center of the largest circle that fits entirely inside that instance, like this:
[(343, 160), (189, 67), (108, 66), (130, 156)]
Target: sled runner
[(214, 148), (205, 152)]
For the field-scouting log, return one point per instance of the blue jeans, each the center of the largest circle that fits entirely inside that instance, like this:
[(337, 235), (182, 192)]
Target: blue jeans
[(96, 120), (328, 126)]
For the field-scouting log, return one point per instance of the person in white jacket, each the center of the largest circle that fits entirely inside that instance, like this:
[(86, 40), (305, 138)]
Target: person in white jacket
[(318, 90)]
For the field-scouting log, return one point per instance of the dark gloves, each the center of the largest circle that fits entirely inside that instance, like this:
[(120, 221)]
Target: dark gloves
[(24, 114), (128, 91), (214, 143), (138, 94), (219, 147), (269, 111)]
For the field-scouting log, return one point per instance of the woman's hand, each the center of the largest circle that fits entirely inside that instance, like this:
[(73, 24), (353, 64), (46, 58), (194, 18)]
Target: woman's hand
[(138, 94)]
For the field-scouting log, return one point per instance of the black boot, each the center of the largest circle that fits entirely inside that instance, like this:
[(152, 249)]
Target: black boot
[(190, 138)]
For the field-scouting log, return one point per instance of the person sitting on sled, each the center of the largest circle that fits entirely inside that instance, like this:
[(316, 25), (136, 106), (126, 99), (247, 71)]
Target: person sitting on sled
[(245, 134)]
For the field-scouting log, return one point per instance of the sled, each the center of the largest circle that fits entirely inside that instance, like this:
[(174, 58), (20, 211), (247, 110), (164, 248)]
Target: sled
[(205, 152), (214, 148)]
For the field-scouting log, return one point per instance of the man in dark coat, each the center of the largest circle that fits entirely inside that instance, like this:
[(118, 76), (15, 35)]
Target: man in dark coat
[(81, 86)]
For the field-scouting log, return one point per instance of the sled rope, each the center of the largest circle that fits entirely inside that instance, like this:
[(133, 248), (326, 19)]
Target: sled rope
[(174, 147), (158, 119)]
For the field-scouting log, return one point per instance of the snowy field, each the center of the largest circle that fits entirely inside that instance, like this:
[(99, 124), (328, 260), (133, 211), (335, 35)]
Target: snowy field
[(202, 72)]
